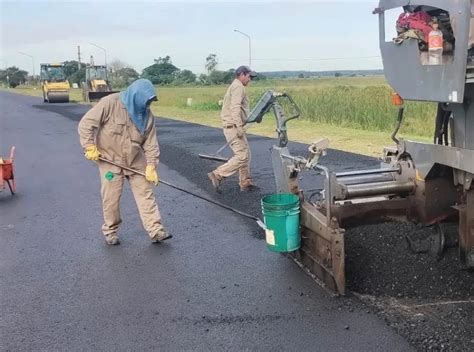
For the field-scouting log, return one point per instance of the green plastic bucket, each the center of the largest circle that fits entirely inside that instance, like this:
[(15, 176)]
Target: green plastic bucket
[(281, 213)]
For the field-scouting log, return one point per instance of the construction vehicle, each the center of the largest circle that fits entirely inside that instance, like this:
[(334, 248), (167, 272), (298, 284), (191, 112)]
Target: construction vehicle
[(96, 85), (425, 183), (54, 83)]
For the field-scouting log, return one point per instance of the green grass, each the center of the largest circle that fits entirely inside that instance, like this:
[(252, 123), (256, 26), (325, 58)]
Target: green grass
[(354, 113), (353, 102), (342, 138), (75, 95)]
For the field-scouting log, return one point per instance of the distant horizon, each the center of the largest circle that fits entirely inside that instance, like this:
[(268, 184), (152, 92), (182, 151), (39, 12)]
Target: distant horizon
[(369, 70), (271, 73), (37, 68)]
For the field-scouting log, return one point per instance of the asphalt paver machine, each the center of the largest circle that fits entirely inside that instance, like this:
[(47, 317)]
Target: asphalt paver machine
[(422, 182)]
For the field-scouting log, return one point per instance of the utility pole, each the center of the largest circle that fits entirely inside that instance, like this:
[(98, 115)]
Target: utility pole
[(105, 52), (250, 45), (105, 57), (78, 57), (33, 63)]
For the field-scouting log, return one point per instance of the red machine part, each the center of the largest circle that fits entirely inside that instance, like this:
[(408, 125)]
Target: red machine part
[(7, 174)]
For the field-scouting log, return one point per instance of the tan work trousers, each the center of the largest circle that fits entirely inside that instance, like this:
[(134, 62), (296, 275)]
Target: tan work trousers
[(111, 191), (241, 159)]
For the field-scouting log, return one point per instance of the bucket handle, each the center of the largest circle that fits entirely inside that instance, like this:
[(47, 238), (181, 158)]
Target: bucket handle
[(262, 225)]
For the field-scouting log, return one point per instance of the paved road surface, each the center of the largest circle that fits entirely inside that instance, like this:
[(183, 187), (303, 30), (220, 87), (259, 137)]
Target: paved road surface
[(213, 287)]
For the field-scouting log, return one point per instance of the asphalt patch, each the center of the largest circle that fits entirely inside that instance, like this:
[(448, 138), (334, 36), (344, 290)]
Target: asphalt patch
[(380, 265)]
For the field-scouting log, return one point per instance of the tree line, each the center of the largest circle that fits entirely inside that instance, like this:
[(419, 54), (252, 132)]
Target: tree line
[(161, 72)]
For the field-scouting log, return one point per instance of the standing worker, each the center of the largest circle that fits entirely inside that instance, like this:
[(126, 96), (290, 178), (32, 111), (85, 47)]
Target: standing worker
[(235, 110), (121, 128)]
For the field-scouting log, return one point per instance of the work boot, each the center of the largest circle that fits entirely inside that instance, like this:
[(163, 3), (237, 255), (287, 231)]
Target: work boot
[(161, 236), (247, 185), (216, 183), (112, 240)]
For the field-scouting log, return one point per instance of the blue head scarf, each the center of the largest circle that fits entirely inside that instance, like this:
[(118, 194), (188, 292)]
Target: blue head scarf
[(134, 98)]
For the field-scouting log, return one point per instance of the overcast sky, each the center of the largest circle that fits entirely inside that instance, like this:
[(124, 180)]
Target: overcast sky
[(301, 35)]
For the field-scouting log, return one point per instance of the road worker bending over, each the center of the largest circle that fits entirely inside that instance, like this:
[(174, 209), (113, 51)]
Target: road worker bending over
[(235, 110), (121, 128)]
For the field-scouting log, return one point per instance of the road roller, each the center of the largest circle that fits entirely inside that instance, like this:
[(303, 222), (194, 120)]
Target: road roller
[(54, 83)]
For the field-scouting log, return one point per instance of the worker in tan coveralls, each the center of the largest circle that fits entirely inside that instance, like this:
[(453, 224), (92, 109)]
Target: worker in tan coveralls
[(121, 128), (235, 110)]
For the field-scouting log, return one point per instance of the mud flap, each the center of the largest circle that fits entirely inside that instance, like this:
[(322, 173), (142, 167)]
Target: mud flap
[(466, 231), (322, 248)]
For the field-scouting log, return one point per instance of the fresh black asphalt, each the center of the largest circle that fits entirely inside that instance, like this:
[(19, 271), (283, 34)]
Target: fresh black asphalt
[(214, 286)]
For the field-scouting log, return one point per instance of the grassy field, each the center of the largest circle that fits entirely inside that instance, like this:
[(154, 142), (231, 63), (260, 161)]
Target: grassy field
[(354, 113), (353, 102)]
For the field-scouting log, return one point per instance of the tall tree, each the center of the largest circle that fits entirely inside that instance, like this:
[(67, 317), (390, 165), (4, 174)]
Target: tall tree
[(13, 76), (121, 74), (73, 73), (211, 62), (163, 60), (117, 65), (161, 72), (123, 77), (184, 77)]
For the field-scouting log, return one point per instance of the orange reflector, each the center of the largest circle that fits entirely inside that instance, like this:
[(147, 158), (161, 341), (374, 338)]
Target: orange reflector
[(397, 100)]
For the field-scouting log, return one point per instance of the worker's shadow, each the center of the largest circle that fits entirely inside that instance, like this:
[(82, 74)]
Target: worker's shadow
[(7, 198), (163, 248)]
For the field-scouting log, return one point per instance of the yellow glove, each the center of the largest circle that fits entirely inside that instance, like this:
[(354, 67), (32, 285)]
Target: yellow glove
[(92, 153), (151, 175)]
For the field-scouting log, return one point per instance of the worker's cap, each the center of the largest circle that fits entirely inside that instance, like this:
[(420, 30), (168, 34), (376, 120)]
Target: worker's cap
[(245, 70)]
